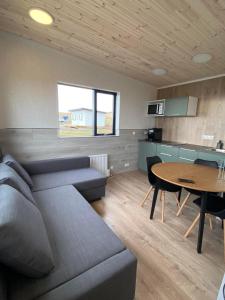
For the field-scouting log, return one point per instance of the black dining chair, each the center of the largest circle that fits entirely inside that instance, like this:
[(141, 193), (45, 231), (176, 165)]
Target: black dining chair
[(215, 206), (163, 185), (198, 161)]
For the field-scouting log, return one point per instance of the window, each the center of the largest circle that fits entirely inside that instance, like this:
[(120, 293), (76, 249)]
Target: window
[(90, 112), (105, 112)]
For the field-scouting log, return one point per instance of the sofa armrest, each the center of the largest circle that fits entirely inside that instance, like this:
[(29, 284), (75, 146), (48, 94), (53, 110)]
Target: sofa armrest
[(55, 165)]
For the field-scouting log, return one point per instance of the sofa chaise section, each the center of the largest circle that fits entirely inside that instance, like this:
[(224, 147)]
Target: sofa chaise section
[(47, 174), (90, 261)]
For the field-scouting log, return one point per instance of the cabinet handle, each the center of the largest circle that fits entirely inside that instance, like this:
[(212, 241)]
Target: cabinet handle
[(166, 154), (186, 158), (172, 115), (187, 149), (167, 146)]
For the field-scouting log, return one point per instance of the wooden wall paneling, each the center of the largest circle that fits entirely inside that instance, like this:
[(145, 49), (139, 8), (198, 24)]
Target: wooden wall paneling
[(210, 118), (131, 37), (36, 144)]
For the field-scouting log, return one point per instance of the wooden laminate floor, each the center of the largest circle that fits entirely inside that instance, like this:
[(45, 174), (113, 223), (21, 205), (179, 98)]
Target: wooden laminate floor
[(168, 264)]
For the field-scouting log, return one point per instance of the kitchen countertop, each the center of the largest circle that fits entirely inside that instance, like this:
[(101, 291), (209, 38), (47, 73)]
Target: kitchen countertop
[(185, 146)]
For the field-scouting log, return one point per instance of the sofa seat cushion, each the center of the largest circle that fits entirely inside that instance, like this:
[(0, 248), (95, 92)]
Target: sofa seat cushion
[(82, 179), (113, 279), (79, 238)]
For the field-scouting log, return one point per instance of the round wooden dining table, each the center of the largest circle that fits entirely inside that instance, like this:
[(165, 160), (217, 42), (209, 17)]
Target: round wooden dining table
[(204, 179)]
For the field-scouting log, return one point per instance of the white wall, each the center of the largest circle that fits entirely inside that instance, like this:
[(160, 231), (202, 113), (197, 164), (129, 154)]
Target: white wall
[(28, 85)]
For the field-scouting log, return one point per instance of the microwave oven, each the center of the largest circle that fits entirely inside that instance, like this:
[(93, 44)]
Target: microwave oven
[(156, 108)]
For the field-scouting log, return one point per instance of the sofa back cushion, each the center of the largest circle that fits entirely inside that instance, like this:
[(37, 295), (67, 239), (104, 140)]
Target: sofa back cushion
[(56, 165), (24, 244), (11, 162), (10, 177)]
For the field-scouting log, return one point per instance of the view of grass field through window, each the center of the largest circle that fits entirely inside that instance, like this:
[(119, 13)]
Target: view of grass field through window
[(77, 117)]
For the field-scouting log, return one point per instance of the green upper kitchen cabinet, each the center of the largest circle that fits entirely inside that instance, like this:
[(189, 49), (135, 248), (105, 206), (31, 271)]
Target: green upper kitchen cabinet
[(181, 106), (145, 149)]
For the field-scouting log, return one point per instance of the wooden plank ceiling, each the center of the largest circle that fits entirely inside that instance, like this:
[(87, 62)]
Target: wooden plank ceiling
[(129, 36)]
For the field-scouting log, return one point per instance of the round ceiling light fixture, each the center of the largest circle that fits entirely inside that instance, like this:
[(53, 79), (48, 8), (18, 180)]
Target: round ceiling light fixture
[(202, 58), (41, 16), (159, 72)]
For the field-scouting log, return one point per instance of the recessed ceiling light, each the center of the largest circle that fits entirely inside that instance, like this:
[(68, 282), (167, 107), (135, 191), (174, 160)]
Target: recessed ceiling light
[(202, 58), (159, 72), (41, 16)]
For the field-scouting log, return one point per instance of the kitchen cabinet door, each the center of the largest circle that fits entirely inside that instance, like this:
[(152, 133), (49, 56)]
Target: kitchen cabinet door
[(145, 149), (187, 155), (167, 153), (212, 156), (168, 149), (176, 106), (165, 157)]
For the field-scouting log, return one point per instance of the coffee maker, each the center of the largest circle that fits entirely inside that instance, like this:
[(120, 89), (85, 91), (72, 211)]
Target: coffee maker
[(154, 134)]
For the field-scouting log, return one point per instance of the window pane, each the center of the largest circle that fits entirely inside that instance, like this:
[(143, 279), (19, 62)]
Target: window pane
[(105, 110), (75, 111)]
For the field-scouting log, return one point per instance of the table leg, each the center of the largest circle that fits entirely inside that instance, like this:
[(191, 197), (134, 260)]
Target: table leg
[(201, 221), (179, 194), (154, 201)]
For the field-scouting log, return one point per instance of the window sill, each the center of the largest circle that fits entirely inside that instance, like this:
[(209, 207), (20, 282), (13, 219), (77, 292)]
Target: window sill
[(88, 137)]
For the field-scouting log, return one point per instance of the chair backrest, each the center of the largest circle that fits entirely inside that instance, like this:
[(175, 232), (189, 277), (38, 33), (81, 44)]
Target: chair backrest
[(151, 161), (209, 163), (216, 206)]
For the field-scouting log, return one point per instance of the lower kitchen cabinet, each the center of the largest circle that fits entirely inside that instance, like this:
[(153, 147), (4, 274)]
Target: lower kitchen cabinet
[(167, 153), (145, 149), (212, 156), (165, 157), (187, 155), (170, 153), (185, 160), (168, 149)]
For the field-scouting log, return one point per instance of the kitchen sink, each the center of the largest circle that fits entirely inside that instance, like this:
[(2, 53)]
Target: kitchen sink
[(218, 150)]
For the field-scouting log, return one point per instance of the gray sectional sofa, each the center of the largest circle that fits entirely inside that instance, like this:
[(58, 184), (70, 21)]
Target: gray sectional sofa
[(53, 245)]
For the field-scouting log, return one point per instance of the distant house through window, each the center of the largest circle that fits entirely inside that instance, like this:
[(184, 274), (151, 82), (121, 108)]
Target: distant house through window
[(85, 112)]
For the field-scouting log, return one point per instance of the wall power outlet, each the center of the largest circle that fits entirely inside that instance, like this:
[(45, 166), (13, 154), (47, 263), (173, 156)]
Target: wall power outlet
[(207, 137), (126, 165)]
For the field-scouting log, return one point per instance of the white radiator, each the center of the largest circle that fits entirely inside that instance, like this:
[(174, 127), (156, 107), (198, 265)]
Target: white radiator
[(100, 163)]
